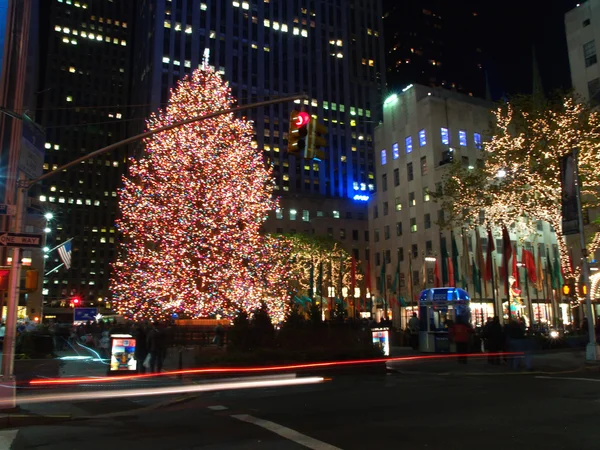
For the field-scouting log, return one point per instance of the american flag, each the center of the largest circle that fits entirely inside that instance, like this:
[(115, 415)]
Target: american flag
[(64, 251)]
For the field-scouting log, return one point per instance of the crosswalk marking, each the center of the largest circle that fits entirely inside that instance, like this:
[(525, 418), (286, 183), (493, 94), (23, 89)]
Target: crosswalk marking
[(287, 433)]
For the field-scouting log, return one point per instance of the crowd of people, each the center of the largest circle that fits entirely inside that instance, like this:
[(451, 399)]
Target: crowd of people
[(152, 340)]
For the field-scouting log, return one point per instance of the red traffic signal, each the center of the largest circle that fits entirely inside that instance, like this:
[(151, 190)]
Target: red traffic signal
[(76, 301), (302, 118)]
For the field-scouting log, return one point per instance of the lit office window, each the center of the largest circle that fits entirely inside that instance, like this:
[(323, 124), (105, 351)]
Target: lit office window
[(445, 136), (408, 144), (477, 140), (383, 157), (422, 139), (395, 151), (462, 138)]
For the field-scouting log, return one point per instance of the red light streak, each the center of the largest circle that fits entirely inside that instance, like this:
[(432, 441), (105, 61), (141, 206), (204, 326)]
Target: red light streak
[(263, 369)]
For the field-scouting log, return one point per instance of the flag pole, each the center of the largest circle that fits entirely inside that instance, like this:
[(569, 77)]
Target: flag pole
[(55, 269), (59, 245)]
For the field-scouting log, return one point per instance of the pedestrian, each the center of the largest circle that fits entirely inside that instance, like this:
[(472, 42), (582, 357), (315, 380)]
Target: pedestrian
[(413, 328), (141, 347), (494, 339), (460, 333), (104, 344), (156, 344), (219, 339), (516, 343)]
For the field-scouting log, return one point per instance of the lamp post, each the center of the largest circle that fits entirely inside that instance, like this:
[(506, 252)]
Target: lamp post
[(8, 385)]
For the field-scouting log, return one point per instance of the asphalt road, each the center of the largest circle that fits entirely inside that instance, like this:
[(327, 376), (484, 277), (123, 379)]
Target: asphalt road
[(424, 411)]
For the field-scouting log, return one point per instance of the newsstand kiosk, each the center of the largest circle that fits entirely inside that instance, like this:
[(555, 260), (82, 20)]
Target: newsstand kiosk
[(122, 355), (438, 309)]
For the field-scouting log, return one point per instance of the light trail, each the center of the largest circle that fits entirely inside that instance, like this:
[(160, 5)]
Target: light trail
[(259, 369), (170, 390)]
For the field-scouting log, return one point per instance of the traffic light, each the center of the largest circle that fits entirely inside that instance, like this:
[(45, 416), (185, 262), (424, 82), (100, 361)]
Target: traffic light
[(31, 280), (76, 301), (316, 141), (297, 132)]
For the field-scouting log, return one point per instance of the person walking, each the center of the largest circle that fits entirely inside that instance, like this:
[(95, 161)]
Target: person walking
[(460, 334), (413, 328), (157, 346), (141, 348), (493, 335)]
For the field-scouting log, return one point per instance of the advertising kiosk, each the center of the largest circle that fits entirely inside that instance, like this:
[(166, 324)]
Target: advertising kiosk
[(122, 355), (438, 310)]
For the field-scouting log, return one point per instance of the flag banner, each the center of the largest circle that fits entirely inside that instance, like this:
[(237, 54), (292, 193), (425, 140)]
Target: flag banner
[(445, 278), (437, 279), (480, 260), (507, 254), (476, 278), (64, 251), (515, 268), (529, 261), (454, 263), (491, 248), (382, 277), (539, 286)]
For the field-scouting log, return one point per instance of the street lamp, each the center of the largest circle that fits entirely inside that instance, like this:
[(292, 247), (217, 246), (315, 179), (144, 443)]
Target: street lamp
[(49, 216)]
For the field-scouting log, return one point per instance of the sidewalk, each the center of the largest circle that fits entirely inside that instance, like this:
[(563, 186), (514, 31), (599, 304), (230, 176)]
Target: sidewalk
[(563, 361)]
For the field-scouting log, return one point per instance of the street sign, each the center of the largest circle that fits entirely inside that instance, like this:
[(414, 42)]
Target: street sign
[(25, 240), (84, 314), (7, 210)]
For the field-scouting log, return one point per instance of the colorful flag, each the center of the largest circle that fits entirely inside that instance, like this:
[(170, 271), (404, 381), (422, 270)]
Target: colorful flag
[(424, 275), (480, 259), (352, 276), (491, 248), (445, 278), (382, 277), (507, 254), (466, 258), (539, 286), (64, 251), (515, 267), (368, 279), (553, 280), (396, 278), (529, 261), (454, 263), (437, 279), (476, 279)]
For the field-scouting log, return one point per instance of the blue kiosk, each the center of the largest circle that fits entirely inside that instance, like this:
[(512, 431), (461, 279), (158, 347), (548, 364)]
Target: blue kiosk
[(438, 309)]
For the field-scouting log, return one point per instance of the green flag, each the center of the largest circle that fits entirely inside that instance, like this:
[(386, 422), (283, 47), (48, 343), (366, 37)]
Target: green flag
[(396, 278), (476, 279), (558, 274), (553, 280), (444, 264), (382, 277), (455, 259)]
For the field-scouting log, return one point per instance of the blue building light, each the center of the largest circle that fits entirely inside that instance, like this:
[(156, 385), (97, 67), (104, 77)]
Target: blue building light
[(361, 198)]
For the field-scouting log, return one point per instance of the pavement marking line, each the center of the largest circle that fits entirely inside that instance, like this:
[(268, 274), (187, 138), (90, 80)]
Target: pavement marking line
[(218, 407), (287, 433), (595, 380), (6, 438)]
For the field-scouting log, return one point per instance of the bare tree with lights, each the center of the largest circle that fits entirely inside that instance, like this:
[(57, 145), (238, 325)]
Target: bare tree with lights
[(519, 181)]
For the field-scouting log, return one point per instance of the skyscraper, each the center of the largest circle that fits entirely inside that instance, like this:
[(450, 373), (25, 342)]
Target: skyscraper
[(330, 49), (82, 101), (434, 43)]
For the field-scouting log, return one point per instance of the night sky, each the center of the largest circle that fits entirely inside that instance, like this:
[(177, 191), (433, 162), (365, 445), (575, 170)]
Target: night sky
[(514, 27)]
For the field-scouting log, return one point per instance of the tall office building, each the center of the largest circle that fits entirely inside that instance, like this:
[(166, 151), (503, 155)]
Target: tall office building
[(583, 29), (424, 129), (82, 99), (330, 49), (434, 43)]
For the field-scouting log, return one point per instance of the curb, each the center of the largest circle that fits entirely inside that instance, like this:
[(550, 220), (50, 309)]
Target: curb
[(489, 374), (22, 420)]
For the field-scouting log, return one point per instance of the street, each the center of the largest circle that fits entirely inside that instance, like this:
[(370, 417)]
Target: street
[(399, 410)]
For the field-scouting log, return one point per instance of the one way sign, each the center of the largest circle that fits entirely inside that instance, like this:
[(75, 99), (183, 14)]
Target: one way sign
[(25, 240)]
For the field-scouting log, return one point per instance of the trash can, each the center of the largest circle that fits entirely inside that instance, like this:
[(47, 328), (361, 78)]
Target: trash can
[(381, 339)]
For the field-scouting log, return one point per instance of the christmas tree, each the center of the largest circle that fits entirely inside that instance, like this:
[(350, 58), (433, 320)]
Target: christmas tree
[(191, 211)]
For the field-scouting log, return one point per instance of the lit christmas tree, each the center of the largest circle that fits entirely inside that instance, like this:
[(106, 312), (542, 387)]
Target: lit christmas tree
[(191, 210)]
